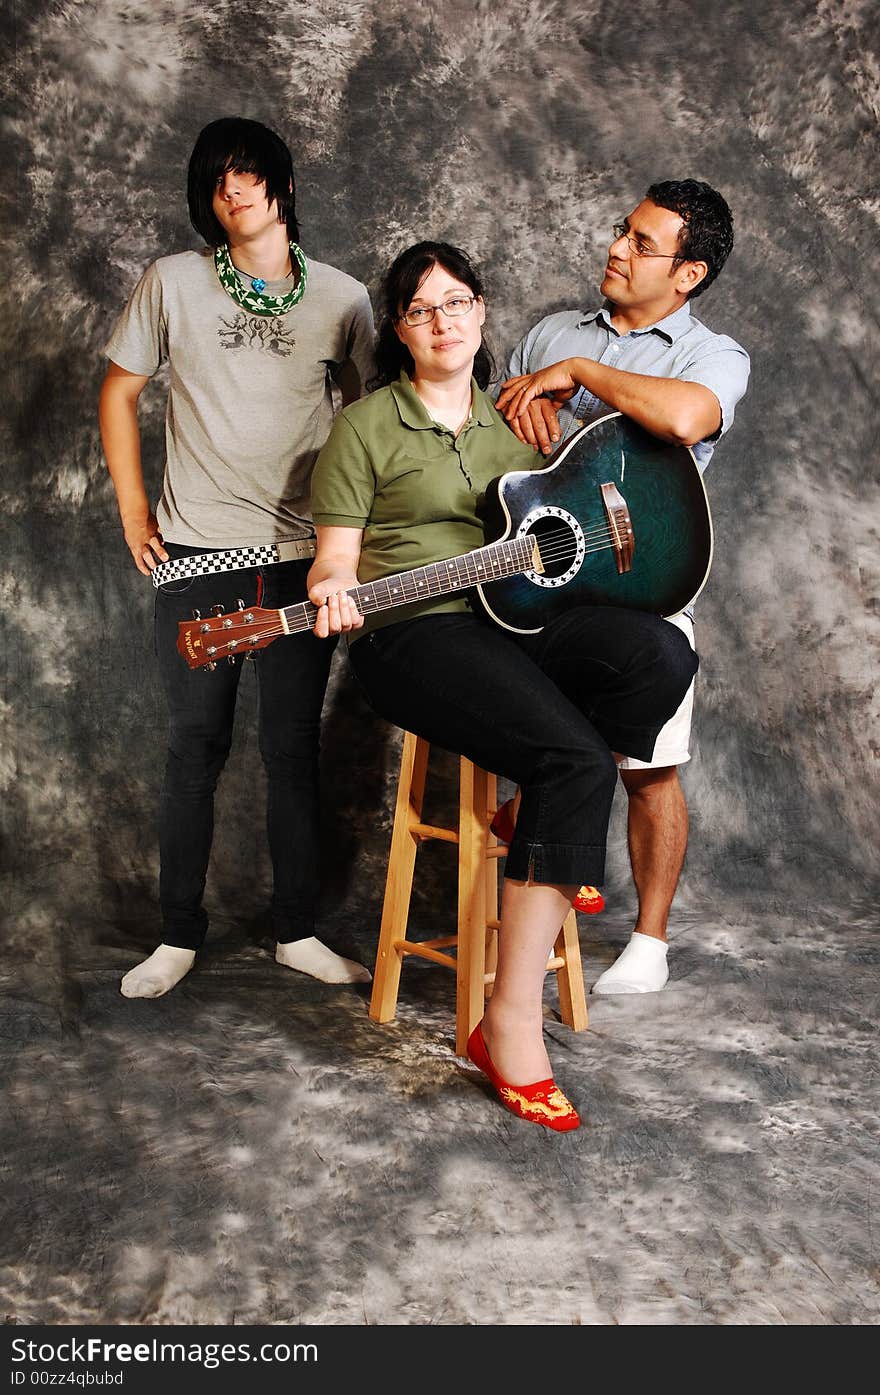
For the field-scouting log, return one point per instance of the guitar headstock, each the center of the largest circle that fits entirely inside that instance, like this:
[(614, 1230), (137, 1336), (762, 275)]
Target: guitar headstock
[(205, 640)]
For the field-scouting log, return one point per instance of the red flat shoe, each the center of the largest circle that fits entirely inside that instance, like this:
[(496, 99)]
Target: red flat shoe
[(541, 1103), (502, 824), (589, 901)]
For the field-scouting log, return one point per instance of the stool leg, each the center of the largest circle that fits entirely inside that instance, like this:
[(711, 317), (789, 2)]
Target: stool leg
[(472, 839), (398, 884), (570, 977), (491, 963)]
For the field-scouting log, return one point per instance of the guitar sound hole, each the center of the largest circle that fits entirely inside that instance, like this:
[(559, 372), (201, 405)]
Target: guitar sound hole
[(557, 544)]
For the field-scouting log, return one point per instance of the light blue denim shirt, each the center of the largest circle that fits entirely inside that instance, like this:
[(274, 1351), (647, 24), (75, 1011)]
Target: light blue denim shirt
[(678, 346)]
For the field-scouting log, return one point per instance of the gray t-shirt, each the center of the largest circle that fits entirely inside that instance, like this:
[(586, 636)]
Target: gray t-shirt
[(251, 399)]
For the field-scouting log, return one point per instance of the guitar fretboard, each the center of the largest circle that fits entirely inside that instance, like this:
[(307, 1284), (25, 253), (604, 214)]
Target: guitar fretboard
[(437, 579)]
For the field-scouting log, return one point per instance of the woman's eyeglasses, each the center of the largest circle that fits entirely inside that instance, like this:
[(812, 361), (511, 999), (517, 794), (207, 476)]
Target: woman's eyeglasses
[(453, 308)]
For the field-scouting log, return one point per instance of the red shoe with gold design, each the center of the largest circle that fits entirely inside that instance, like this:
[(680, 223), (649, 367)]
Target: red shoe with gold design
[(502, 824), (541, 1103), (589, 901)]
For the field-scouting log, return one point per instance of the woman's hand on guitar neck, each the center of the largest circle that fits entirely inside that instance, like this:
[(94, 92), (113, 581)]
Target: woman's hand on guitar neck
[(332, 575), (337, 612)]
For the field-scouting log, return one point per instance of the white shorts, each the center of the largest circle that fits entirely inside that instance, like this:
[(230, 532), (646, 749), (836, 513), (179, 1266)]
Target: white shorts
[(674, 739)]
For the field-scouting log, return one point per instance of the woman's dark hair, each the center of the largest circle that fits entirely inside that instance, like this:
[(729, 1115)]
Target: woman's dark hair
[(707, 235), (247, 147), (402, 279)]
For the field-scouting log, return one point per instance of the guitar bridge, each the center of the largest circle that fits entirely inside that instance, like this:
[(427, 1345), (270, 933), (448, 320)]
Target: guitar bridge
[(620, 523)]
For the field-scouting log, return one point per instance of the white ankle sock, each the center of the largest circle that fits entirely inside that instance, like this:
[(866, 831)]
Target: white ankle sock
[(641, 968), (311, 957), (165, 967)]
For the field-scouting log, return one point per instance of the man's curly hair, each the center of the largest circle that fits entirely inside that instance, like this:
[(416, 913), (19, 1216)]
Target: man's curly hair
[(707, 235)]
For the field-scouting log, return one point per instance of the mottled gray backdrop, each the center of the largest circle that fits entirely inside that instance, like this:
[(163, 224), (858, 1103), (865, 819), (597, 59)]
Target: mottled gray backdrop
[(237, 1150)]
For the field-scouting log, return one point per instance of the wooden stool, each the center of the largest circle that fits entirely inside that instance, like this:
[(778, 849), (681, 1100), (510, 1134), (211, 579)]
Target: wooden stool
[(476, 938)]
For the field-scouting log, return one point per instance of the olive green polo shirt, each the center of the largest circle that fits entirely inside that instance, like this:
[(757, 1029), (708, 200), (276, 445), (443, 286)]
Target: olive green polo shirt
[(414, 487)]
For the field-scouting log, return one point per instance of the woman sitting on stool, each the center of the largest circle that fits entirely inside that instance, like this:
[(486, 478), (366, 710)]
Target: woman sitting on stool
[(400, 484)]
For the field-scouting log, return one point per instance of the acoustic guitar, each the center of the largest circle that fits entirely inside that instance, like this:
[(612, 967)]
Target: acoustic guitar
[(615, 517)]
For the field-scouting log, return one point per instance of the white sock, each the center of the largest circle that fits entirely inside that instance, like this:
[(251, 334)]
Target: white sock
[(311, 957), (166, 966), (641, 968)]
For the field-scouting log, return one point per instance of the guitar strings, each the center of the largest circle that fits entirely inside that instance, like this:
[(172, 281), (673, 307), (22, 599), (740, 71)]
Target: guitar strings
[(567, 542), (562, 545), (601, 530)]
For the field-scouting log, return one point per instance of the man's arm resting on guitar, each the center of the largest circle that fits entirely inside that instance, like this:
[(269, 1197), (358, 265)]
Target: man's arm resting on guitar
[(681, 412), (332, 574), (121, 439)]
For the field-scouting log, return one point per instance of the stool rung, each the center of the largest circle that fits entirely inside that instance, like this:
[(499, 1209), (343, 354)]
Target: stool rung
[(429, 830), (554, 962), (424, 951)]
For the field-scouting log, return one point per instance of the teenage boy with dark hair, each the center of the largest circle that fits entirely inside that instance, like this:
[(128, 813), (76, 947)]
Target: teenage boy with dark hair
[(645, 355), (264, 345)]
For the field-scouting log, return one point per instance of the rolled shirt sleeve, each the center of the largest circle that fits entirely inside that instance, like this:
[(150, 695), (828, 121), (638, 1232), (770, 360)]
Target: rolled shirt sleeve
[(139, 342), (343, 482), (722, 367)]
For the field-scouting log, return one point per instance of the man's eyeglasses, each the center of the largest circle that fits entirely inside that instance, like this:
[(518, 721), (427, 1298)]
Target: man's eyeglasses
[(454, 308), (636, 246)]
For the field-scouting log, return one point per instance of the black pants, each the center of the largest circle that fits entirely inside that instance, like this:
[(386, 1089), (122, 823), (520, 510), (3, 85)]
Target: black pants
[(543, 710), (292, 678)]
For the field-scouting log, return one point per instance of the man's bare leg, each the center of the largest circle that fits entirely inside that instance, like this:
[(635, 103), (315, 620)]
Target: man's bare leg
[(657, 835)]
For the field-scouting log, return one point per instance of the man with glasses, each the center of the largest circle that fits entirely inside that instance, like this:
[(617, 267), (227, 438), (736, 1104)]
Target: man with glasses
[(645, 355)]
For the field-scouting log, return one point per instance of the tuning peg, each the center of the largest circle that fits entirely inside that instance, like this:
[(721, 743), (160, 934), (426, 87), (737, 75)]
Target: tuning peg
[(230, 659), (250, 655), (210, 667), (197, 615), (216, 610), (240, 603)]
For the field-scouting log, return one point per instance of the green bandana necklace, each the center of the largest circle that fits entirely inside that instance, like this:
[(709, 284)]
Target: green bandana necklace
[(251, 297)]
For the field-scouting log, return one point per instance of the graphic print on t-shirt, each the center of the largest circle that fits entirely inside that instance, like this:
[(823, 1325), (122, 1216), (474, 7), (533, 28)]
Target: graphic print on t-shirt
[(253, 332)]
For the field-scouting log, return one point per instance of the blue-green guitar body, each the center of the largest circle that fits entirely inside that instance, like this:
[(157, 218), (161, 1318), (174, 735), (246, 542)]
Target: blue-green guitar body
[(572, 506)]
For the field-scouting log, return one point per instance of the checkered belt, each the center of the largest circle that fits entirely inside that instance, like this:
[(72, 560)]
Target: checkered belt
[(232, 559)]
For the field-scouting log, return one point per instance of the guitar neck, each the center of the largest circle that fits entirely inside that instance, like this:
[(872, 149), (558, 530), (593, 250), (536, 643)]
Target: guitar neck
[(437, 579)]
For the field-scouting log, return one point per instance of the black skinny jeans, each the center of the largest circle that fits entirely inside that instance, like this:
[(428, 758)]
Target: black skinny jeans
[(544, 710), (292, 678)]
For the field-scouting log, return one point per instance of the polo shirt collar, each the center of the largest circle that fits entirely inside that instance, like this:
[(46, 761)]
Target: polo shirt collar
[(414, 413), (670, 328)]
